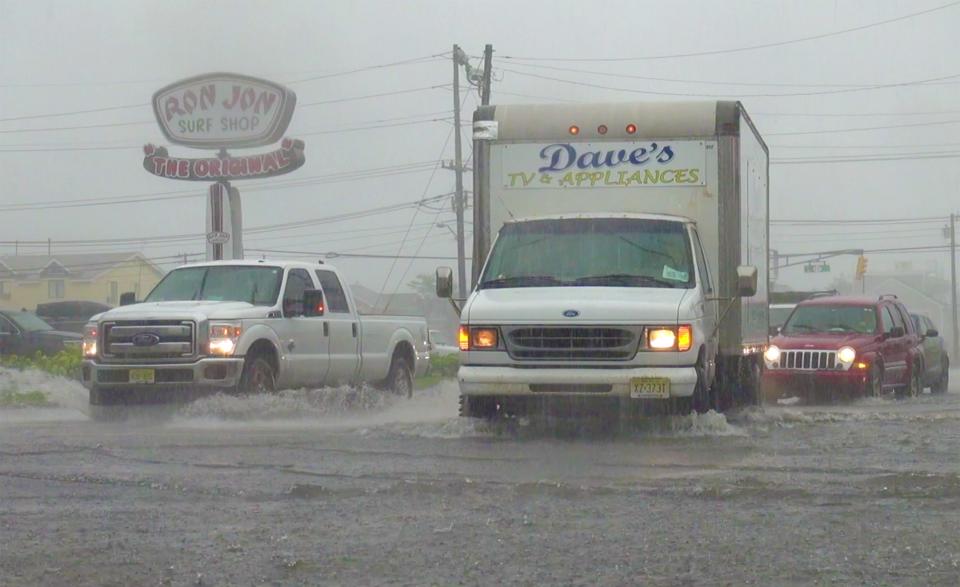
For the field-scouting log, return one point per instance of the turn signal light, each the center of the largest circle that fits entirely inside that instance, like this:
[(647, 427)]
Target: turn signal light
[(463, 338), (684, 338)]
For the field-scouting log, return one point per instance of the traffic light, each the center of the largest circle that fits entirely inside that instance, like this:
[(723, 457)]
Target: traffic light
[(861, 267)]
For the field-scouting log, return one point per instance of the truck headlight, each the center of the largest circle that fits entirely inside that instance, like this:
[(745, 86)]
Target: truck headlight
[(669, 338), (846, 355), (223, 337), (478, 338), (772, 354), (90, 340)]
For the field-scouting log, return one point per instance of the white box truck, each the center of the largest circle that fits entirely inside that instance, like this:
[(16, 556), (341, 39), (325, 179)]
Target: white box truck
[(620, 259)]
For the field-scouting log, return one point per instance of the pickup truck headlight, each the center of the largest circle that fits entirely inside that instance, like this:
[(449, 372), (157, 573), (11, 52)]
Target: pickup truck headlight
[(670, 338), (90, 340), (223, 337)]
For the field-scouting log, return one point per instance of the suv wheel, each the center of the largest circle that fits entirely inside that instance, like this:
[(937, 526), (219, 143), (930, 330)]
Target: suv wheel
[(943, 382), (914, 385), (874, 384)]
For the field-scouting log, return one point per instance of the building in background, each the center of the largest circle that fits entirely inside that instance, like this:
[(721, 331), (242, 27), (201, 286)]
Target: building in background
[(28, 280)]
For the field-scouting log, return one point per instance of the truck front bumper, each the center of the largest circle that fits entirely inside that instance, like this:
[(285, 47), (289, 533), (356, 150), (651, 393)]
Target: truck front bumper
[(211, 372), (540, 382)]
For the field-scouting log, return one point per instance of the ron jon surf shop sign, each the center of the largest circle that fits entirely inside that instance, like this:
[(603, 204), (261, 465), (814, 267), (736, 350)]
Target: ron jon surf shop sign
[(224, 110)]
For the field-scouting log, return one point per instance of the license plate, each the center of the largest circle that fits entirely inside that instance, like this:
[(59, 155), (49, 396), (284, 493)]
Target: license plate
[(142, 376), (658, 387)]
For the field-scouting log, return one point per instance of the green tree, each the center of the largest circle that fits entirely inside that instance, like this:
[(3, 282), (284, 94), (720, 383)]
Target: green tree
[(423, 284)]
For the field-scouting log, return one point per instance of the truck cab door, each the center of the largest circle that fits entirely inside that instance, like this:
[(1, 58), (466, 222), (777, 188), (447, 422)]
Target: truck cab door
[(304, 339), (705, 290), (344, 326)]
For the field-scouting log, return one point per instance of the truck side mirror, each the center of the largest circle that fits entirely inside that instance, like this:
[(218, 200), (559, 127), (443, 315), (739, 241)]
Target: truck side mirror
[(932, 333), (746, 281), (313, 303), (127, 298), (444, 282)]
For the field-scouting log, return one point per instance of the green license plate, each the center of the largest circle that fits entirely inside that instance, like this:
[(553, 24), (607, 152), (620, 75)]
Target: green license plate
[(656, 387), (142, 376)]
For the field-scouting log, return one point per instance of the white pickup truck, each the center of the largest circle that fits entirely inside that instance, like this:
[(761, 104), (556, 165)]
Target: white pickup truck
[(247, 326)]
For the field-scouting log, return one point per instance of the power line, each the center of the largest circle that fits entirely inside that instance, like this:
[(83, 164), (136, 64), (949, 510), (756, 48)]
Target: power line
[(425, 59), (854, 114), (368, 96), (74, 112), (822, 221), (861, 128), (745, 48), (334, 255), (705, 82), (724, 95), (883, 146), (136, 259), (866, 158)]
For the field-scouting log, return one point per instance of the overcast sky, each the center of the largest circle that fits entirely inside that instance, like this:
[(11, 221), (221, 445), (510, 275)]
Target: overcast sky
[(61, 57)]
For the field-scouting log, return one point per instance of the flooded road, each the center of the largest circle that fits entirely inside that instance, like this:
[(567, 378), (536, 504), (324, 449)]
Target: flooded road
[(349, 487)]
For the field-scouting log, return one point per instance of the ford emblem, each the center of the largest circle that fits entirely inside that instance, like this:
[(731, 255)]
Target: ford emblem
[(571, 313), (145, 339)]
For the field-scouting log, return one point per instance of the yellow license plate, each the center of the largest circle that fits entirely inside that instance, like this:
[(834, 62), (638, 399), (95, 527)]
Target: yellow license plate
[(657, 387), (142, 376)]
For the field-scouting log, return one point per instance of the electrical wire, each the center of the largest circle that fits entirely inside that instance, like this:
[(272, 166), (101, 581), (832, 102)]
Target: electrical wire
[(744, 48)]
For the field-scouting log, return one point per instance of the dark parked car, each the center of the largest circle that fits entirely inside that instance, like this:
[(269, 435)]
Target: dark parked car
[(69, 315), (935, 360), (23, 333)]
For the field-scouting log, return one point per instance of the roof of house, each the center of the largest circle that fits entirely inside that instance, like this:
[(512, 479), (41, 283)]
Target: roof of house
[(73, 266)]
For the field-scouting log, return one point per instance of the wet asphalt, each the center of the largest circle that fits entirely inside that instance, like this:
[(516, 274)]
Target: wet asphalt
[(346, 487)]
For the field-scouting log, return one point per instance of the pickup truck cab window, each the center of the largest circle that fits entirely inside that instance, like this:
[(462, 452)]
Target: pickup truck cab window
[(611, 252), (333, 292), (298, 281), (254, 284)]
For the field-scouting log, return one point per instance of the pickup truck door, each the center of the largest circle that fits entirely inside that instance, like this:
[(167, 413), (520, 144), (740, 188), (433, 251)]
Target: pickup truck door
[(305, 343), (344, 329)]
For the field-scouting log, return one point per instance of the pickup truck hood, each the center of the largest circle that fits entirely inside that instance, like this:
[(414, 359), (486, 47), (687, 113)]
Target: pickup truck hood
[(594, 304), (825, 341), (201, 310)]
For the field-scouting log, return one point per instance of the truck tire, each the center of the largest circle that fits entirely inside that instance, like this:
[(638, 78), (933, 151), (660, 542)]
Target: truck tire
[(258, 376), (943, 382), (702, 402), (400, 378)]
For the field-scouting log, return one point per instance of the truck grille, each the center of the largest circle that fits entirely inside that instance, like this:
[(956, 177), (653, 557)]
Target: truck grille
[(149, 339), (560, 343), (809, 360)]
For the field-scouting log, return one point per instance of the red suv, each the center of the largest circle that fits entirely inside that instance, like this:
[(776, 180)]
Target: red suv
[(840, 345)]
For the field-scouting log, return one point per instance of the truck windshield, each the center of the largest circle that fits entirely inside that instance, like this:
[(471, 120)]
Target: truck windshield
[(839, 319), (614, 252), (234, 283)]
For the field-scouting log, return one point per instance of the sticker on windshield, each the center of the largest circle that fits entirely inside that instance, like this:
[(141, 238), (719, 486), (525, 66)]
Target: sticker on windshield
[(674, 275)]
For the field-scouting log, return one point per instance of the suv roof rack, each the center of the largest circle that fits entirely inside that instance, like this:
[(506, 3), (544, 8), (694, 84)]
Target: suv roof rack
[(889, 297), (823, 294)]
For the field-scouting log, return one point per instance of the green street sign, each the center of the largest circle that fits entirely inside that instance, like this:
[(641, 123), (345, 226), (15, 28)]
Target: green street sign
[(816, 268)]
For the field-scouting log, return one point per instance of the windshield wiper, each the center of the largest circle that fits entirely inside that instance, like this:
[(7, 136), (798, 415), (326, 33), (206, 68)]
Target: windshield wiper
[(521, 281), (623, 278)]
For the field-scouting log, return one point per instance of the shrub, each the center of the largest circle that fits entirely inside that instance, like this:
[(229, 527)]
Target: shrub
[(63, 364)]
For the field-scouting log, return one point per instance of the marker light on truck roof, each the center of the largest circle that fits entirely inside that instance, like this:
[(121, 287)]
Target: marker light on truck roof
[(574, 129), (631, 128), (602, 129)]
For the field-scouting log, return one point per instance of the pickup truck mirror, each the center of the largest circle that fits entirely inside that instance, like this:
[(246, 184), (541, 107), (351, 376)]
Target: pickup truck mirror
[(746, 281), (774, 330), (127, 298), (932, 333), (444, 282), (313, 303)]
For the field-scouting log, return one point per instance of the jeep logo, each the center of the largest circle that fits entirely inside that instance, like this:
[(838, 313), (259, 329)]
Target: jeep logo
[(145, 339)]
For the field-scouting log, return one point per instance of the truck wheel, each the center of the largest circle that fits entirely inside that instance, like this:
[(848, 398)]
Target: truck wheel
[(702, 402), (400, 378), (258, 376), (940, 385)]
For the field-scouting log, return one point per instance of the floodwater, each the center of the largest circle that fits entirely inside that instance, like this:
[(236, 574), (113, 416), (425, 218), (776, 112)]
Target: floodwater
[(345, 486)]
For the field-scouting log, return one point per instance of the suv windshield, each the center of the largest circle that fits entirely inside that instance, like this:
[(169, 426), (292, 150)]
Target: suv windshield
[(619, 252), (235, 283), (821, 318), (28, 322)]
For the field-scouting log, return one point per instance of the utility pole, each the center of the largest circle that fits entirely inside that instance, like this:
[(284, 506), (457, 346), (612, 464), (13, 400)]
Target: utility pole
[(487, 68), (953, 280), (458, 58)]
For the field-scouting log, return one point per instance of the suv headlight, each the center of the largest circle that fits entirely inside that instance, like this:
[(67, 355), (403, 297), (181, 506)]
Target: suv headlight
[(223, 337), (772, 354), (90, 340), (846, 355)]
